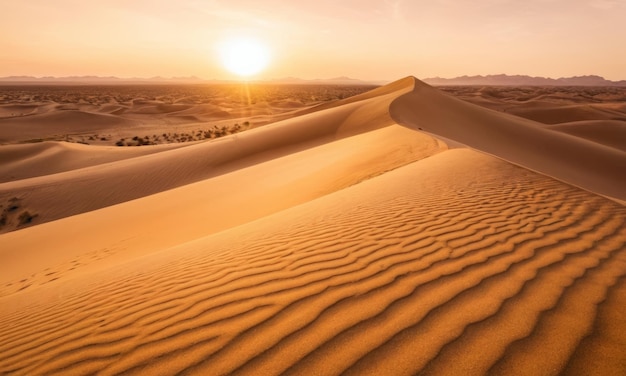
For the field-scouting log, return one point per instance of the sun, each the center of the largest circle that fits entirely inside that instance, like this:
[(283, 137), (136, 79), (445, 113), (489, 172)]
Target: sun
[(244, 56)]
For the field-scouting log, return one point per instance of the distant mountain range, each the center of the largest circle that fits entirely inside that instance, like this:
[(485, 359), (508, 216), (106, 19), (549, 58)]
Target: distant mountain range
[(21, 80), (489, 80), (342, 80), (97, 80), (518, 80)]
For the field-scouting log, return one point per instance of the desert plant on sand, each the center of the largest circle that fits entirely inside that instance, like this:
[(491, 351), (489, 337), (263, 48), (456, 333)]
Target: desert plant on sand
[(25, 218), (194, 135)]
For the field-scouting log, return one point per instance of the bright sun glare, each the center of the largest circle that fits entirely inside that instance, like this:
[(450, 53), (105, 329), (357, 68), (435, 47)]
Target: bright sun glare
[(244, 56)]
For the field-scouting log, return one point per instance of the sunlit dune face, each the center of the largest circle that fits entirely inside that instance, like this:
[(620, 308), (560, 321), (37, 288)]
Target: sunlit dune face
[(244, 56)]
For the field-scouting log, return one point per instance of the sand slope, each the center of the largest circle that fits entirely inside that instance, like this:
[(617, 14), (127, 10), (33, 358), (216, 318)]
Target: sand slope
[(559, 114), (155, 222), (57, 123), (457, 264), (22, 161), (607, 132), (94, 187), (335, 242)]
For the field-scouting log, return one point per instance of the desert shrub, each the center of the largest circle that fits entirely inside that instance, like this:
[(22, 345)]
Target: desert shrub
[(13, 205), (25, 218), (194, 135)]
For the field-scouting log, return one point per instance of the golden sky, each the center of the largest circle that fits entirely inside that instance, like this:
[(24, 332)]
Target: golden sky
[(367, 39)]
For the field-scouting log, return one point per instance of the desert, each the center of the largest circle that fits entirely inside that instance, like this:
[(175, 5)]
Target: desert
[(399, 229), (328, 187)]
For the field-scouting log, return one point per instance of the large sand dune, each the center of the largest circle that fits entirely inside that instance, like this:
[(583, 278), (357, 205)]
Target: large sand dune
[(344, 240), (99, 185), (572, 159)]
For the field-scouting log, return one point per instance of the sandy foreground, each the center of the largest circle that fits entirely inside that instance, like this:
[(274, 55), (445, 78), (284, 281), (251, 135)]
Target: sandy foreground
[(398, 231)]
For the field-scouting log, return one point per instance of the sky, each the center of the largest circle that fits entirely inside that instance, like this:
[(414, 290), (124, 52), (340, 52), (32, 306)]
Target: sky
[(365, 39)]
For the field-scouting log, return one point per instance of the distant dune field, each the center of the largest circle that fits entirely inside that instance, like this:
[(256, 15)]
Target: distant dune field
[(402, 230)]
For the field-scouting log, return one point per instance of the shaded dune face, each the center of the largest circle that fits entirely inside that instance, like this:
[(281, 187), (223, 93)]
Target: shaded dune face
[(430, 268), (348, 240)]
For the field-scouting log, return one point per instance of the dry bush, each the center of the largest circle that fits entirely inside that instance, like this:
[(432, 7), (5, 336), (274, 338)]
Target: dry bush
[(25, 218)]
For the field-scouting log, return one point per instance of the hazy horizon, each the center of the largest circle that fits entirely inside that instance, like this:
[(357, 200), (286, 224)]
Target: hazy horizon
[(368, 40)]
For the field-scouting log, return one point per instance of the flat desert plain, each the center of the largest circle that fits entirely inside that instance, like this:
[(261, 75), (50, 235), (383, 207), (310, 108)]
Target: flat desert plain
[(396, 230)]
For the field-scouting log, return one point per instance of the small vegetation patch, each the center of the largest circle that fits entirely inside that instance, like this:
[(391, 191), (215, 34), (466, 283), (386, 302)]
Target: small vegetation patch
[(33, 141), (25, 218), (194, 135), (13, 204), (9, 218)]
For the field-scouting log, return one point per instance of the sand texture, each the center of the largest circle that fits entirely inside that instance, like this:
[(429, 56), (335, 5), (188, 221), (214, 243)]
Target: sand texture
[(397, 232)]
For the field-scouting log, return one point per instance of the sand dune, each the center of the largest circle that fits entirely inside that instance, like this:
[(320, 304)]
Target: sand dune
[(95, 187), (205, 207), (13, 109), (571, 159), (344, 240), (549, 105), (87, 113), (24, 161), (160, 108), (607, 132), (209, 110), (429, 267), (560, 114), (57, 123)]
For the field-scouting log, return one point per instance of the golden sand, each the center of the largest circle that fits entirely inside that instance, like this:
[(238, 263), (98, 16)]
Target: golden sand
[(401, 231)]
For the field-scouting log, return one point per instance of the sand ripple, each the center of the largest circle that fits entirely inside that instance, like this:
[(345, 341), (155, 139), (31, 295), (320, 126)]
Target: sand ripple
[(479, 267)]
